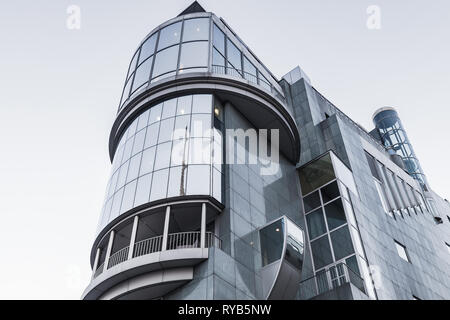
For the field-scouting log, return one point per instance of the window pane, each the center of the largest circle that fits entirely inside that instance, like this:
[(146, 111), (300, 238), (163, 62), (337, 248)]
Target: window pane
[(335, 214), (133, 169), (321, 252), (198, 180), (152, 135), (201, 125), (116, 204), (217, 185), (177, 182), (143, 120), (165, 61), (250, 71), (401, 250), (155, 113), (196, 29), (272, 240), (169, 35), (126, 90), (234, 55), (143, 190), (199, 151), (148, 48), (184, 105), (132, 66), (148, 159), (202, 103), (316, 174), (218, 60), (182, 127), (311, 202), (122, 175), (179, 154), (128, 197), (316, 224), (159, 185), (169, 108), (342, 243), (139, 142), (142, 74), (162, 159), (194, 54), (219, 40), (330, 192), (166, 130)]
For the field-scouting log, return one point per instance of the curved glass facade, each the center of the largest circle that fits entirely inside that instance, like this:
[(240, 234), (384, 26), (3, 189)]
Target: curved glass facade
[(184, 46), (396, 141), (172, 149)]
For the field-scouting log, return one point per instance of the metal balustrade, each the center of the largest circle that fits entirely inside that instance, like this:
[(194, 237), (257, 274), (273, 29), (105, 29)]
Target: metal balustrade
[(329, 279), (118, 257), (175, 241), (147, 246)]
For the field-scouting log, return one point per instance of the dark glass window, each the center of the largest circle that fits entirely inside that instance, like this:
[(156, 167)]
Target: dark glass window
[(335, 214), (272, 239), (316, 174), (342, 243), (316, 224), (330, 192), (321, 252), (312, 201), (372, 166)]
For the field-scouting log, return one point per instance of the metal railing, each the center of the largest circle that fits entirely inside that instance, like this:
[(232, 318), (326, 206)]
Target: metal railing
[(183, 240), (99, 270), (212, 240), (329, 279), (147, 246), (253, 79), (118, 257)]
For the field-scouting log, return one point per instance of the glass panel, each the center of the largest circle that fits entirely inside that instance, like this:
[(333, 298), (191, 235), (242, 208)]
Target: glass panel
[(126, 90), (142, 74), (184, 105), (122, 175), (198, 180), (330, 192), (159, 185), (128, 197), (294, 245), (143, 120), (217, 185), (155, 114), (335, 214), (196, 29), (234, 55), (194, 54), (182, 127), (169, 35), (148, 159), (139, 140), (162, 159), (218, 60), (116, 204), (321, 252), (352, 264), (250, 71), (219, 40), (316, 174), (143, 190), (272, 240), (201, 125), (202, 103), (166, 130), (177, 182), (133, 169), (165, 61), (179, 154), (311, 202), (263, 82), (342, 243), (152, 135), (316, 224), (148, 48), (132, 66), (169, 108), (199, 151)]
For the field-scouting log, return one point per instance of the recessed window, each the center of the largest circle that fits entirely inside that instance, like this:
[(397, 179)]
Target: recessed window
[(402, 251), (448, 247), (316, 224), (311, 201), (330, 192)]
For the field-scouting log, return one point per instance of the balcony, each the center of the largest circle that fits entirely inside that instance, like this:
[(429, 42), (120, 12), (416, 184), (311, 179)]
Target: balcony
[(153, 252), (329, 279)]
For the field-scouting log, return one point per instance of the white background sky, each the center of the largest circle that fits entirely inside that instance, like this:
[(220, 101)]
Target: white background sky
[(59, 91)]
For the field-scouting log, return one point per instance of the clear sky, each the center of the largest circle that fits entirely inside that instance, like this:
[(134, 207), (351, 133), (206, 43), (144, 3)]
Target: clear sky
[(60, 89)]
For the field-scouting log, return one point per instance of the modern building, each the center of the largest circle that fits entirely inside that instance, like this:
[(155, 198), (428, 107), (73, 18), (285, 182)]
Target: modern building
[(195, 209)]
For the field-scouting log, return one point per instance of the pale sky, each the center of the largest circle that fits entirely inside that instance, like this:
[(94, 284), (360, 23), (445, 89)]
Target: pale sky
[(60, 89)]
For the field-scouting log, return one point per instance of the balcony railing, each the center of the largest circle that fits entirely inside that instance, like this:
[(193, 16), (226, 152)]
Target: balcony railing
[(253, 79), (118, 257), (147, 246), (175, 241), (329, 279)]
